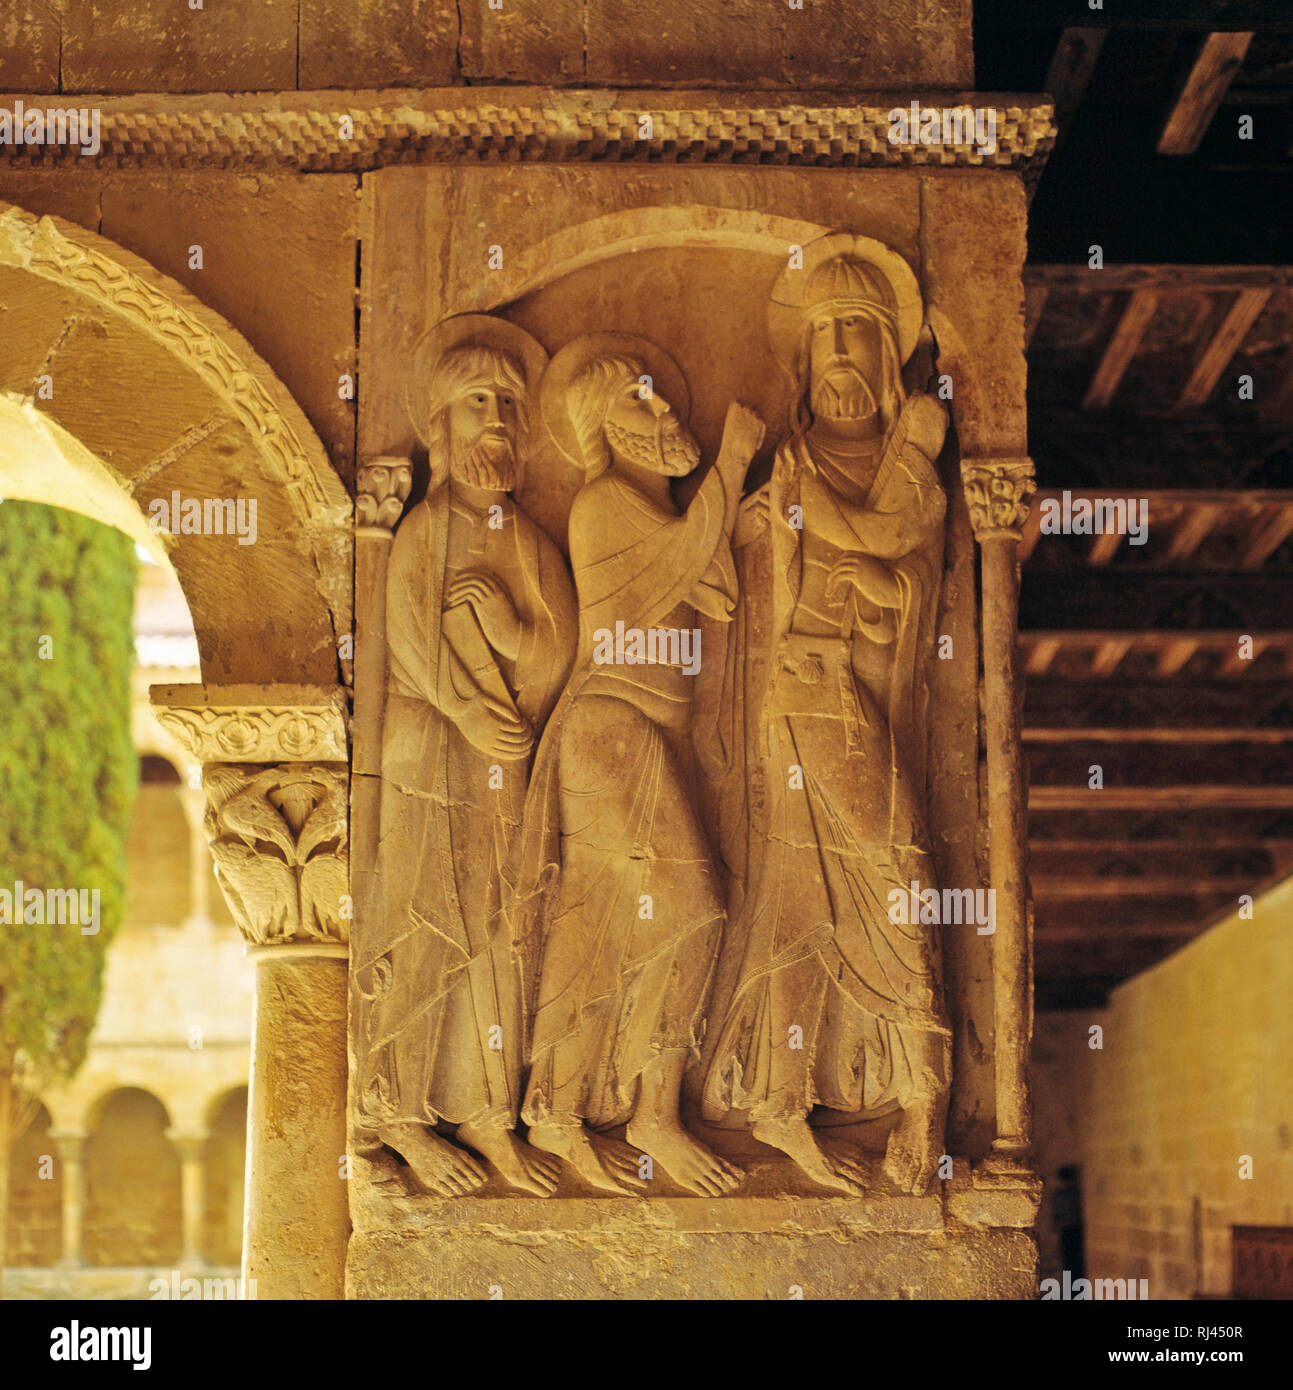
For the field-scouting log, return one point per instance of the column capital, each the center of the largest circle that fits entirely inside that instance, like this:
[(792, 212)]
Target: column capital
[(191, 1143), (998, 492), (382, 487), (280, 842), (70, 1143)]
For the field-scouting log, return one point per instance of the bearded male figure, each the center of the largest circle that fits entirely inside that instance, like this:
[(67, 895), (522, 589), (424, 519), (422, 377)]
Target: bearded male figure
[(617, 873), (827, 1003), (481, 627)]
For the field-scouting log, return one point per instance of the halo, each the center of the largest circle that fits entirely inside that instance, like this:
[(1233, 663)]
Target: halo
[(666, 378), (785, 311), (468, 330)]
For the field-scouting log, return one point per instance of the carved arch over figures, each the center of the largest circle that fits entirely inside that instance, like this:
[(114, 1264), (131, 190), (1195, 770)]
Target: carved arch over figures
[(679, 251), (118, 388), (697, 281)]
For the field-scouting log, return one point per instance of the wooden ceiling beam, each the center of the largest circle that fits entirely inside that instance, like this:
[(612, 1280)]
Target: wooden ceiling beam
[(1193, 529), (1104, 548), (1069, 74), (1219, 59), (1184, 796), (1105, 844), (1272, 530), (1121, 348), (1237, 664), (1040, 655), (1216, 355), (1216, 279), (1046, 888), (1108, 656), (1237, 733), (1174, 656)]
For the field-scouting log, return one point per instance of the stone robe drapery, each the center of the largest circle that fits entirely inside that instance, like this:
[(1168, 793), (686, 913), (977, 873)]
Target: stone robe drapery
[(441, 986), (617, 878), (819, 992)]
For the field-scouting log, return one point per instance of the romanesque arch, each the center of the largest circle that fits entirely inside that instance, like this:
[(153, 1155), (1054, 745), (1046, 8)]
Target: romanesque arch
[(125, 398), (118, 388)]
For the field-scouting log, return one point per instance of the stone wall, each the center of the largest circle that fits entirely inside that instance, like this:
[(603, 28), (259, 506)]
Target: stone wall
[(278, 45), (1193, 1076)]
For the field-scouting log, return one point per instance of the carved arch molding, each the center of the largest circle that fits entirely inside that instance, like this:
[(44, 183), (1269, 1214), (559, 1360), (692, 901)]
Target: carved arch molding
[(140, 392)]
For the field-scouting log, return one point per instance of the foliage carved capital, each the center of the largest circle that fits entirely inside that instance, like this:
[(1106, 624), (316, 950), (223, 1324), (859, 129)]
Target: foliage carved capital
[(998, 492)]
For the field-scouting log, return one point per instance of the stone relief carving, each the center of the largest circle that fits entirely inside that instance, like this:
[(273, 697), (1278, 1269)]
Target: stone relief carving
[(280, 841), (619, 911), (480, 635), (629, 926), (255, 735), (853, 516)]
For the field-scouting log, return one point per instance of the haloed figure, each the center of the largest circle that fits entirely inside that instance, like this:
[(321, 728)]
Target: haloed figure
[(480, 623), (622, 885), (832, 1005)]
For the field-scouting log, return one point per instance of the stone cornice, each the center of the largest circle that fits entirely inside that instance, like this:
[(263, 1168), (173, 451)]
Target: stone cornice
[(352, 132), (255, 723)]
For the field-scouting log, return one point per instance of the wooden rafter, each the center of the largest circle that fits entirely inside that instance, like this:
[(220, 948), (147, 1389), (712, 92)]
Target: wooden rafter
[(1195, 525), (1216, 355), (1219, 59), (1181, 796), (1273, 528), (1108, 656), (1175, 656), (1121, 348), (1070, 72)]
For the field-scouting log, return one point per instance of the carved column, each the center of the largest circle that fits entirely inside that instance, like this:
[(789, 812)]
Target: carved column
[(274, 770), (192, 1150), (997, 493), (71, 1157), (383, 486)]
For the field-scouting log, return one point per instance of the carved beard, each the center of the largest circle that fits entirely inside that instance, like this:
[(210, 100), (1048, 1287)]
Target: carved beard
[(669, 450), (843, 393), (489, 463)]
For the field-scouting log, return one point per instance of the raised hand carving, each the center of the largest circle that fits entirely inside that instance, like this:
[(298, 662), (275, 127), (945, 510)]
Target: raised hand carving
[(618, 893), (480, 634), (830, 1003)]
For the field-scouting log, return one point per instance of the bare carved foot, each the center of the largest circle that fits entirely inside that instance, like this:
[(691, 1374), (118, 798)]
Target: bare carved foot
[(914, 1146), (520, 1165), (687, 1161), (434, 1162), (601, 1164), (795, 1138), (848, 1157)]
